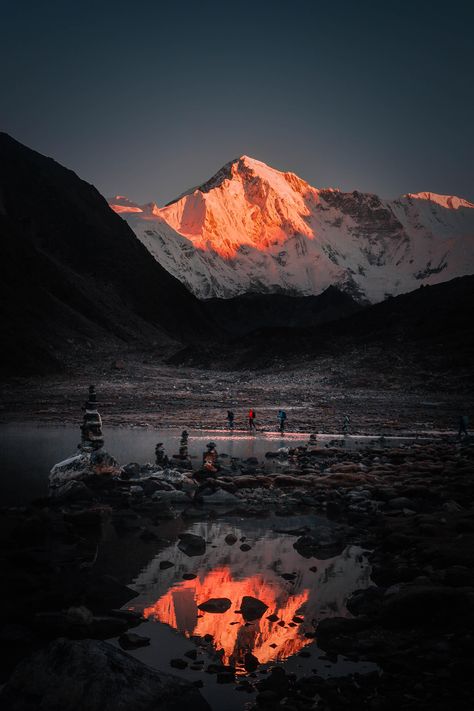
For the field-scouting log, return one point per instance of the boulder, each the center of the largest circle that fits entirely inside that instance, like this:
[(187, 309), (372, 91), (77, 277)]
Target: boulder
[(171, 497), (215, 605), (191, 545), (428, 605), (89, 675), (221, 498), (323, 546), (85, 465), (252, 608)]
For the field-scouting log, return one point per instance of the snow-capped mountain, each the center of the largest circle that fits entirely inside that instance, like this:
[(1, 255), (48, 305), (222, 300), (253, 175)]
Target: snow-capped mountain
[(253, 228)]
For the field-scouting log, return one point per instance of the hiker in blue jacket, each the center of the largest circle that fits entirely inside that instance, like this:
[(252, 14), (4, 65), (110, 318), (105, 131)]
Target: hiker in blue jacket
[(281, 419)]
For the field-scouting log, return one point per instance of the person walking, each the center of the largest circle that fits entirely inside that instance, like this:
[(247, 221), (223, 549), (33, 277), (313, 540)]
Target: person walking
[(346, 424), (281, 417), (252, 416), (230, 419), (463, 423)]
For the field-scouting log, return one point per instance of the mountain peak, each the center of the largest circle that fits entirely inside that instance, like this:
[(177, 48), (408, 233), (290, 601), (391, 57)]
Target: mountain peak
[(451, 202)]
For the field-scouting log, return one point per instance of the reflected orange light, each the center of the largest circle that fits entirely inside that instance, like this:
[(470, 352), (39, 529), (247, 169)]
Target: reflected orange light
[(119, 209), (178, 607)]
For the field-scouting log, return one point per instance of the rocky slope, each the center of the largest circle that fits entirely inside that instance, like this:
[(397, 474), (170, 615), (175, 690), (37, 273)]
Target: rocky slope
[(246, 313), (253, 228), (428, 328), (73, 273)]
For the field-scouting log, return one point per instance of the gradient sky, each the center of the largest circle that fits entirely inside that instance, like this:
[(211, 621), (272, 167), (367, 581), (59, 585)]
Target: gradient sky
[(147, 99)]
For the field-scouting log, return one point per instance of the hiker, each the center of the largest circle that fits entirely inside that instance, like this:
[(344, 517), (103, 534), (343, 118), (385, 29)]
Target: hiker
[(463, 423), (230, 419), (281, 419), (345, 424), (252, 416)]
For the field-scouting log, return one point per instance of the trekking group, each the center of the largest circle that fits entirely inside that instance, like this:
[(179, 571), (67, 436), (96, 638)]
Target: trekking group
[(252, 416)]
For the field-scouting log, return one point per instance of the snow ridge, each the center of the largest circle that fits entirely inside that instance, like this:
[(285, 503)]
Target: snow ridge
[(253, 228)]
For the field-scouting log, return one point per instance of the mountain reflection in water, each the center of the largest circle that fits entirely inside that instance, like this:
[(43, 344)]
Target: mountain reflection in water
[(227, 572)]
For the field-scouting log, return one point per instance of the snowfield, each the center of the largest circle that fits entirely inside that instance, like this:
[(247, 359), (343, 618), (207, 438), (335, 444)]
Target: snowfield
[(252, 228)]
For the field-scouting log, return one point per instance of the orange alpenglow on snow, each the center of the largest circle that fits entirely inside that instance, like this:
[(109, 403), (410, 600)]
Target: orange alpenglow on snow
[(121, 205), (178, 607), (245, 203), (451, 202)]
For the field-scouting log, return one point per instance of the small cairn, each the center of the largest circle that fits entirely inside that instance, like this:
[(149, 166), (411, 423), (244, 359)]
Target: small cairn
[(209, 458), (182, 460), (183, 445), (161, 460), (92, 438), (90, 464)]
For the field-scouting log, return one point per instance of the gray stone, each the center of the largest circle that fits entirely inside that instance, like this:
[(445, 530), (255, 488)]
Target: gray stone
[(88, 675), (191, 544)]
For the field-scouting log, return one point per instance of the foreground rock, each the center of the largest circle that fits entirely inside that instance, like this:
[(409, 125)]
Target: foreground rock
[(215, 604), (252, 608), (94, 676), (191, 545)]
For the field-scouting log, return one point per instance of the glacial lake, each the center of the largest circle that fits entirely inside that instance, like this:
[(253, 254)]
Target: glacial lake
[(27, 452)]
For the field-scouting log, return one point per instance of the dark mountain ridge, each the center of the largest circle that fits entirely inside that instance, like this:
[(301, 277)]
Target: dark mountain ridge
[(73, 270), (249, 312), (432, 324)]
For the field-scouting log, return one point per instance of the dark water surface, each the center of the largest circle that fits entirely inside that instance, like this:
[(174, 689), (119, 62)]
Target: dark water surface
[(175, 625), (28, 452)]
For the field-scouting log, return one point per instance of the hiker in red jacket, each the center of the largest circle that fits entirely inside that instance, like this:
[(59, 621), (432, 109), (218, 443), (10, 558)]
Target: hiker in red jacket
[(252, 416)]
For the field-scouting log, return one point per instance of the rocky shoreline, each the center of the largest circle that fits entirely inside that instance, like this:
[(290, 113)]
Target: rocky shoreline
[(412, 506)]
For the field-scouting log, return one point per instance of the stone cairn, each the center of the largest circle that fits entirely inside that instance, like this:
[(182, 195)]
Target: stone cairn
[(161, 460), (183, 445), (182, 460), (91, 428), (209, 458)]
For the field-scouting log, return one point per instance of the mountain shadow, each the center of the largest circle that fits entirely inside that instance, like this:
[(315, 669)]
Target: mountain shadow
[(73, 274), (432, 325), (250, 312)]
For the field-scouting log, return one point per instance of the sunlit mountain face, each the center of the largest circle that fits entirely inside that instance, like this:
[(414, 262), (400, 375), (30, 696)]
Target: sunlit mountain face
[(317, 589), (251, 228)]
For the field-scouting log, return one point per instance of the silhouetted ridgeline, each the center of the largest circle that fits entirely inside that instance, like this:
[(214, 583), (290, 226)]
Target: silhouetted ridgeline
[(73, 270), (249, 312), (434, 322)]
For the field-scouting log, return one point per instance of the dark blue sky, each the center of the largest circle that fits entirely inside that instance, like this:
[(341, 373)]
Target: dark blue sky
[(147, 99)]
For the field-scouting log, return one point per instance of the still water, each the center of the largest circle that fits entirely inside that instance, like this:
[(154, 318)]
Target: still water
[(316, 589), (28, 452)]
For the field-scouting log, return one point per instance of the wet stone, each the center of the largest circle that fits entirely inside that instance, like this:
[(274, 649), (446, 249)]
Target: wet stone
[(252, 608), (215, 605), (191, 544), (164, 564), (178, 663), (130, 640)]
